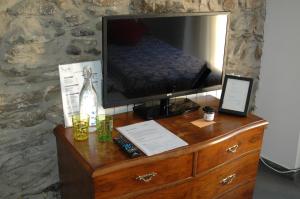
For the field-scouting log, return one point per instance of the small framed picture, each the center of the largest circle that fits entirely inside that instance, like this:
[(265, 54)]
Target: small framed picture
[(236, 94)]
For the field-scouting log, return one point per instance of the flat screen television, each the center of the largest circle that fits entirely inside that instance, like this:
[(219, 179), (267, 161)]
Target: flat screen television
[(148, 58)]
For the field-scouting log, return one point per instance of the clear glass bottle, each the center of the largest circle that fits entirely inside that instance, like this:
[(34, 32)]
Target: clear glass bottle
[(88, 98)]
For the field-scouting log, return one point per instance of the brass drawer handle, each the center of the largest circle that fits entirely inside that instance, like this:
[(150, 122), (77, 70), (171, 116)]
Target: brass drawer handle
[(233, 148), (147, 177), (228, 179)]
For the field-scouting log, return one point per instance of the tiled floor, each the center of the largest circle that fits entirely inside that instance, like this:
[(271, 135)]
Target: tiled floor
[(270, 185)]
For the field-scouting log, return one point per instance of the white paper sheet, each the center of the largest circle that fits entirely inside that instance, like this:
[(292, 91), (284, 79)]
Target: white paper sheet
[(151, 138), (71, 80), (235, 95)]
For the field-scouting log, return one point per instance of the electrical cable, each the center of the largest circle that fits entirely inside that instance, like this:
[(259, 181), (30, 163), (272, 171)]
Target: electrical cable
[(276, 170)]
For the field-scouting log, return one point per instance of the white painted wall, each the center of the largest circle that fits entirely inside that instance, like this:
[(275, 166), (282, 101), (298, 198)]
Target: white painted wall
[(278, 96)]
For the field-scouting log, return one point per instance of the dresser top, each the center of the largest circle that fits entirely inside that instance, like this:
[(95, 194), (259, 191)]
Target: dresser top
[(99, 157)]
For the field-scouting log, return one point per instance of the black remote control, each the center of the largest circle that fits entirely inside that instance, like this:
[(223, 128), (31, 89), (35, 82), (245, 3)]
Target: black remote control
[(127, 146)]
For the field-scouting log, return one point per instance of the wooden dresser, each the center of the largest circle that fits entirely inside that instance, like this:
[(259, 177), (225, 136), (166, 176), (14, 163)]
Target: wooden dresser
[(220, 161)]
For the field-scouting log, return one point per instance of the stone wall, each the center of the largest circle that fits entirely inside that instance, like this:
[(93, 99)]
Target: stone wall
[(38, 35)]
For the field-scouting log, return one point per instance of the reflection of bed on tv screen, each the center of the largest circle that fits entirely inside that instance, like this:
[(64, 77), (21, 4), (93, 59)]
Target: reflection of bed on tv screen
[(143, 71), (154, 56)]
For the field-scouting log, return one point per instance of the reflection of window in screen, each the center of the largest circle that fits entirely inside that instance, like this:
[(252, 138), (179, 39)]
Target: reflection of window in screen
[(205, 37), (235, 95)]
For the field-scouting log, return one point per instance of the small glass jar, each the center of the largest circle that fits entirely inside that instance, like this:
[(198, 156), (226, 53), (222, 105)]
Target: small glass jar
[(104, 124), (209, 113), (80, 127)]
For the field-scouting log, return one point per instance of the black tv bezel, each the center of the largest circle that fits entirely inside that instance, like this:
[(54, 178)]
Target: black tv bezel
[(161, 96)]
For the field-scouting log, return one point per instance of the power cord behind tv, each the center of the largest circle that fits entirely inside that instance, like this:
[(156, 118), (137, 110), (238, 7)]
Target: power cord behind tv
[(276, 170)]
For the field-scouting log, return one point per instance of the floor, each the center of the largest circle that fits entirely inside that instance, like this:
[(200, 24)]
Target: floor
[(270, 184)]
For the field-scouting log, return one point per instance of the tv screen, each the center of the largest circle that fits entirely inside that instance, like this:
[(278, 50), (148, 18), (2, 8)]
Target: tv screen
[(156, 57)]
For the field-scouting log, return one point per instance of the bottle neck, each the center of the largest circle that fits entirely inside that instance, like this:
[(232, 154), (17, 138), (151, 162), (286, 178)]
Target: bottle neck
[(88, 82)]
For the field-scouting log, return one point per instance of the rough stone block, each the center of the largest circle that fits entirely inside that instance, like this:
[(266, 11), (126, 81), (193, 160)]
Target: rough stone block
[(28, 161), (215, 5), (104, 3), (142, 6), (191, 5), (81, 32), (242, 21), (57, 26), (32, 7), (16, 119), (28, 30), (20, 101), (252, 4), (87, 45), (203, 7), (74, 18), (258, 24), (15, 70), (52, 91), (55, 114), (244, 49), (99, 26), (258, 52), (252, 53), (93, 51), (68, 4), (59, 32), (169, 6), (73, 50), (85, 42), (5, 4), (34, 78), (230, 5), (5, 20), (96, 10), (108, 7), (24, 54), (15, 82), (52, 22)]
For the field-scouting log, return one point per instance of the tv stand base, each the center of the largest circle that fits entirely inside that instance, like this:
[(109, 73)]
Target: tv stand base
[(166, 108)]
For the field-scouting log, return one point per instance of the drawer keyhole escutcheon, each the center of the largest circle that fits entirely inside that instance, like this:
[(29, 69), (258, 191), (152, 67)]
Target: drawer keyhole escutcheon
[(147, 177), (233, 149), (228, 179)]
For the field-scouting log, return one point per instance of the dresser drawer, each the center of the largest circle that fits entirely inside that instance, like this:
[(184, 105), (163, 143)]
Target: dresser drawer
[(227, 176), (229, 149), (170, 193), (143, 176), (245, 191)]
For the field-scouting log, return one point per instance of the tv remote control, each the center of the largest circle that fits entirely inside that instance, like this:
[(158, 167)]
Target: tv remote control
[(127, 146)]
